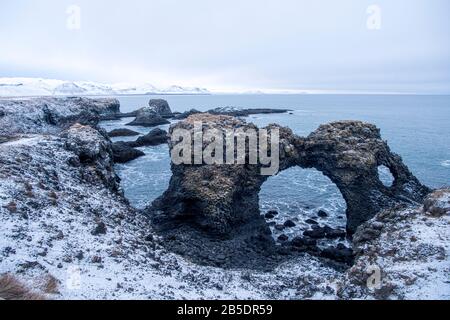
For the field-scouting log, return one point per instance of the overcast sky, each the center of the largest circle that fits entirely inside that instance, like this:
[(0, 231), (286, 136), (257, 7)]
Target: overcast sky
[(232, 44)]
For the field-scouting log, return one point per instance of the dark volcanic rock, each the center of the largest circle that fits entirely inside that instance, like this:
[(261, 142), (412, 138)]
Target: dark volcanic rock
[(94, 151), (221, 202), (303, 242), (99, 229), (269, 216), (437, 204), (238, 112), (117, 116), (322, 214), (317, 233), (311, 221), (124, 153), (335, 233), (339, 253), (153, 138), (122, 133), (349, 153), (186, 114), (289, 224), (148, 117), (231, 111), (161, 107)]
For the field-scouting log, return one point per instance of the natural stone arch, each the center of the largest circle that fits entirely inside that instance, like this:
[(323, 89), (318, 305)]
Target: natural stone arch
[(349, 153), (220, 202)]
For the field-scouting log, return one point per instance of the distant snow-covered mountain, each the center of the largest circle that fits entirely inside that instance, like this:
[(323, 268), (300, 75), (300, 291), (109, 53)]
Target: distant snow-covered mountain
[(24, 87)]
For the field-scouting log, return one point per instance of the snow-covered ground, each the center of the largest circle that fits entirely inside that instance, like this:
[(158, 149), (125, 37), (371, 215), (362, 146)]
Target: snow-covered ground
[(26, 87)]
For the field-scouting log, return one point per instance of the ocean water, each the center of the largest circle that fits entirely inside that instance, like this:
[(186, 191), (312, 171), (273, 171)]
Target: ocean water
[(416, 126)]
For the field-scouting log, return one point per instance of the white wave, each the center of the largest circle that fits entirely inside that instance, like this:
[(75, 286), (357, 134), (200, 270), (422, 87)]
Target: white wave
[(445, 163)]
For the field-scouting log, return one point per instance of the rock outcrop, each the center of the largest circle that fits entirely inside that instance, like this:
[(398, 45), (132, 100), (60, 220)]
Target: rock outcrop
[(123, 152), (222, 202), (186, 114), (51, 115), (161, 107), (148, 117), (242, 112), (122, 133), (153, 138), (349, 153), (231, 111), (402, 253), (94, 151)]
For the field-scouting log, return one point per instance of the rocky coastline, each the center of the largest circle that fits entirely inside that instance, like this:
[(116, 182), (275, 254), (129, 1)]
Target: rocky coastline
[(62, 210)]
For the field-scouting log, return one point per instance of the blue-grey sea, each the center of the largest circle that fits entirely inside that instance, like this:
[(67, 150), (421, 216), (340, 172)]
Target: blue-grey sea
[(416, 126)]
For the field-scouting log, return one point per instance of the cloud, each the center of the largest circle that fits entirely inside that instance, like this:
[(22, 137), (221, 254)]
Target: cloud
[(232, 44)]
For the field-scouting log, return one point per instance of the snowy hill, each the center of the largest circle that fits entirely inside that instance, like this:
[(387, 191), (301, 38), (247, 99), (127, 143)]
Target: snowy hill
[(25, 87)]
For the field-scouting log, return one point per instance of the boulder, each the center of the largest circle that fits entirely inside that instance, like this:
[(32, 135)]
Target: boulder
[(437, 204), (300, 242), (124, 153), (339, 253), (122, 132), (148, 117), (153, 138), (186, 114), (311, 221), (335, 234), (289, 224), (93, 151), (161, 107), (322, 214), (316, 233), (269, 216)]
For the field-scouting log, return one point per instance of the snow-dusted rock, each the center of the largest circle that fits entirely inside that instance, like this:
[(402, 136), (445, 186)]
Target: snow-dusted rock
[(94, 150), (402, 253), (50, 115), (438, 203), (148, 117), (161, 107)]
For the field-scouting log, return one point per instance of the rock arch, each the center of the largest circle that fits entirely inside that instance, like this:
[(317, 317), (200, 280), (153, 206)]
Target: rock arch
[(221, 201), (302, 196)]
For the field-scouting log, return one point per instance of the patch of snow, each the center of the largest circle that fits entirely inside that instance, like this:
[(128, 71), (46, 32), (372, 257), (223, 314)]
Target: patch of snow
[(23, 87)]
